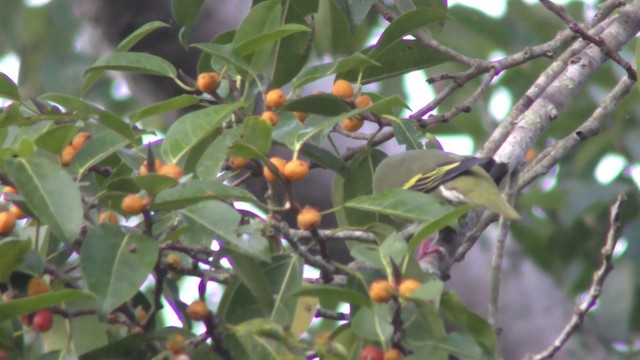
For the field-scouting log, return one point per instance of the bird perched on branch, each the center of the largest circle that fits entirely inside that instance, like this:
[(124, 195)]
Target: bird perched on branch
[(453, 178)]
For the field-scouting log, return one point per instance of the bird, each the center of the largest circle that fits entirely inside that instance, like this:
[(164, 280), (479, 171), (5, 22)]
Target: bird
[(452, 178)]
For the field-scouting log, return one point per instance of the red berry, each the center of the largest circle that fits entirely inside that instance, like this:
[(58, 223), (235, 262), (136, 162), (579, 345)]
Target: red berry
[(43, 320)]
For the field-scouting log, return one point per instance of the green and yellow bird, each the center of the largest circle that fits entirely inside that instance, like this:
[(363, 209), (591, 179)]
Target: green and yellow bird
[(453, 178)]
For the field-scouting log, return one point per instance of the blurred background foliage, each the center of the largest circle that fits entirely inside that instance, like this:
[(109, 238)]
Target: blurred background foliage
[(55, 41)]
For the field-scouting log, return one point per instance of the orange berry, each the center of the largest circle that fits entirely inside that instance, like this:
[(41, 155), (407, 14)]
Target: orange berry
[(198, 310), (7, 222), (302, 117), (133, 204), (174, 260), (371, 352), (108, 217), (19, 214), (393, 354), (271, 117), (380, 291), (171, 170), (408, 286), (238, 162), (79, 140), (43, 320), (275, 98), (141, 314), (352, 124), (308, 218), (144, 169), (208, 82), (67, 154), (363, 101), (296, 170), (175, 343), (342, 88), (531, 154), (37, 286), (279, 163)]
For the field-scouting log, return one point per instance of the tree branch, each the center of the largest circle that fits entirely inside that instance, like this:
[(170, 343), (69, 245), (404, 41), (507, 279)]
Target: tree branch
[(599, 276)]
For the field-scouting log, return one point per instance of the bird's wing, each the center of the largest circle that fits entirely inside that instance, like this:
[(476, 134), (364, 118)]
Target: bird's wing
[(444, 172)]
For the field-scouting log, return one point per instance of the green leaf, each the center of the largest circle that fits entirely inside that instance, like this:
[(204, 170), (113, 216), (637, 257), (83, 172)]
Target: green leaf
[(142, 63), (27, 305), (106, 118), (195, 191), (323, 157), (321, 104), (394, 247), (115, 264), (220, 220), (8, 89), (213, 158), (405, 24), (250, 295), (255, 141), (120, 348), (185, 12), (50, 193), (154, 183), (124, 45), (373, 323), (405, 204), (313, 73), (139, 34), (455, 311), (12, 252), (102, 144), (175, 103), (408, 133), (253, 44), (399, 58), (56, 138), (447, 219), (333, 293), (189, 129), (227, 53)]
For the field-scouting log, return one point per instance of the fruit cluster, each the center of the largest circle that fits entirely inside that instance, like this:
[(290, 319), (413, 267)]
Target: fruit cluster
[(8, 218), (381, 291)]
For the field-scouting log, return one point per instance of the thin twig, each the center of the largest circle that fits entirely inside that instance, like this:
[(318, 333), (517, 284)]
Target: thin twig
[(496, 268), (332, 315), (595, 290), (585, 35)]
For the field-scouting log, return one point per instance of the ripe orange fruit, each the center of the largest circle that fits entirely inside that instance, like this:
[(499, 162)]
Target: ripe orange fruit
[(279, 163), (296, 170), (174, 260), (208, 82), (380, 291), (271, 117), (363, 101), (371, 352), (7, 222), (531, 154), (302, 117), (79, 140), (198, 310), (408, 286), (175, 343), (133, 204), (67, 154), (275, 98), (141, 314), (37, 286), (144, 169), (308, 218), (352, 124), (238, 162), (19, 214), (171, 170), (342, 88), (8, 190), (108, 217), (43, 320), (393, 354)]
